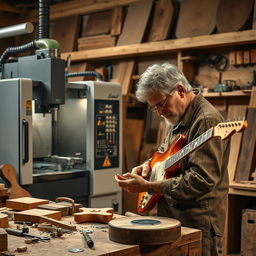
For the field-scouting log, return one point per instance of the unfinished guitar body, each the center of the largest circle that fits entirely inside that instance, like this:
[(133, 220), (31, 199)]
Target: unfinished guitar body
[(102, 215), (8, 174)]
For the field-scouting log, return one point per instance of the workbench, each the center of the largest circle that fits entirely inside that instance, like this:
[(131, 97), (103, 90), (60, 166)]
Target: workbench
[(188, 244)]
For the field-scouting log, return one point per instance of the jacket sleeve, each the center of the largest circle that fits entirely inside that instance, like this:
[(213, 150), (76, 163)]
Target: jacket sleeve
[(202, 170)]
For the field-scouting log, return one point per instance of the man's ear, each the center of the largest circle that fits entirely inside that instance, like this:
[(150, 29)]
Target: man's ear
[(181, 90)]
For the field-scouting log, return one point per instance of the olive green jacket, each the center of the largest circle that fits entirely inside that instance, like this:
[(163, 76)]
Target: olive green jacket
[(197, 195)]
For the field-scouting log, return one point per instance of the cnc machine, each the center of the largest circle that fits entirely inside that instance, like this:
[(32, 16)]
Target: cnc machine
[(63, 139)]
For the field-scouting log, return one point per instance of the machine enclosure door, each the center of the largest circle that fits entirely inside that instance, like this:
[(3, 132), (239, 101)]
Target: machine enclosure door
[(16, 127)]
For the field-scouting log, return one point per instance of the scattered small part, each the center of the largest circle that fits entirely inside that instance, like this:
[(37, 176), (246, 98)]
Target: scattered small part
[(75, 250), (89, 231), (31, 240), (25, 230), (28, 241), (22, 249), (29, 223), (100, 226)]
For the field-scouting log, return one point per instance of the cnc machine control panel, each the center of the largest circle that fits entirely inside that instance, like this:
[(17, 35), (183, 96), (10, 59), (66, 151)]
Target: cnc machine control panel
[(106, 134)]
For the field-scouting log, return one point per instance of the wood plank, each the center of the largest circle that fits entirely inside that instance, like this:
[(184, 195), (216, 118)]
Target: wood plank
[(252, 103), (3, 220), (253, 56), (34, 215), (162, 21), (96, 42), (124, 75), (133, 136), (196, 18), (232, 58), (117, 21), (25, 203), (235, 111), (97, 23), (135, 23), (246, 57), (65, 31), (254, 16), (64, 209), (77, 7), (167, 46), (8, 8), (246, 160), (239, 57)]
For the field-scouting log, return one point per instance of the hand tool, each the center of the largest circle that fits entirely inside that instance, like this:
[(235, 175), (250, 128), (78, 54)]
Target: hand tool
[(87, 238), (17, 232)]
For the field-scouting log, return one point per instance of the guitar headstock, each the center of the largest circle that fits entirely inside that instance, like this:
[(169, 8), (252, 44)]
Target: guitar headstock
[(226, 129)]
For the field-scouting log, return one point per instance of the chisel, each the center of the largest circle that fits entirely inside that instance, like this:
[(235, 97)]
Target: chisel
[(17, 232)]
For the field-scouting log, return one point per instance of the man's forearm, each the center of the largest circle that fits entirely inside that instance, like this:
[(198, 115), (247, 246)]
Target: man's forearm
[(155, 186)]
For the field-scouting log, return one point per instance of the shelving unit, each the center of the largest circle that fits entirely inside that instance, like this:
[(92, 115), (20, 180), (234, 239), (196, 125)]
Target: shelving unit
[(166, 46)]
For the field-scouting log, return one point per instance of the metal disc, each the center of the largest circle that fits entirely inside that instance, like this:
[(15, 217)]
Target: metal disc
[(75, 250)]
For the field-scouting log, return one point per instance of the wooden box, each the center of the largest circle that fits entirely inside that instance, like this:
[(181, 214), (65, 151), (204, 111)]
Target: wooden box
[(248, 232), (3, 240)]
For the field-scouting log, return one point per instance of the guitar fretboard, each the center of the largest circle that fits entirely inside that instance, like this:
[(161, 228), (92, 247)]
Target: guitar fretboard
[(193, 145)]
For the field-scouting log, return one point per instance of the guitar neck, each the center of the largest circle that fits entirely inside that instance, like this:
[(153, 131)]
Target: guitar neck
[(189, 148)]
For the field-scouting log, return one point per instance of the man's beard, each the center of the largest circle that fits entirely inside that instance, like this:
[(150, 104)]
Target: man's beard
[(172, 122)]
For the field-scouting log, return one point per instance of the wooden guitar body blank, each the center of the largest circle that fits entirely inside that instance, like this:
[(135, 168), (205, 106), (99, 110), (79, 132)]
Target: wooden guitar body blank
[(25, 203), (102, 215), (8, 174)]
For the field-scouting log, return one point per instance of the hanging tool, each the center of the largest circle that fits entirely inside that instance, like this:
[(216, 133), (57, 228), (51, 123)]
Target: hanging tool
[(87, 238), (17, 232)]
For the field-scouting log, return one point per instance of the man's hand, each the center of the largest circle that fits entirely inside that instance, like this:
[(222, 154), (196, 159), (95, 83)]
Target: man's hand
[(142, 170), (132, 183)]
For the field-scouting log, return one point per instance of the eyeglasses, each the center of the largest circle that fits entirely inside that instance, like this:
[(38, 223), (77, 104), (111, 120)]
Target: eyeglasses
[(161, 104)]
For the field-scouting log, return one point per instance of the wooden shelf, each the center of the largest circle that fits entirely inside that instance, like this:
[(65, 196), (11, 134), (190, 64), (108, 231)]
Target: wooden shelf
[(166, 46), (241, 93)]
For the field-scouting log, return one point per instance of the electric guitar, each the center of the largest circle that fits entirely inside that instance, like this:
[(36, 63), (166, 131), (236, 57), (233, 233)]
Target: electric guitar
[(166, 165)]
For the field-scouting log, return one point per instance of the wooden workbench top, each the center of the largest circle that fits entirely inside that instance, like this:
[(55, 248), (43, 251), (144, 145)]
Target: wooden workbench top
[(190, 241)]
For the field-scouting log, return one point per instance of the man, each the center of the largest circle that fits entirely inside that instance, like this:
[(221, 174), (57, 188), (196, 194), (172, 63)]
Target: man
[(197, 194)]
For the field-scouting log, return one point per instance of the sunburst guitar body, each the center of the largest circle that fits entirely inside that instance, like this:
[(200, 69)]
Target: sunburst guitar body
[(166, 165)]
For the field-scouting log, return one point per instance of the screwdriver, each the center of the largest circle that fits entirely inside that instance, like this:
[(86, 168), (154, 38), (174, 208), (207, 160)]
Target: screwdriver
[(87, 238)]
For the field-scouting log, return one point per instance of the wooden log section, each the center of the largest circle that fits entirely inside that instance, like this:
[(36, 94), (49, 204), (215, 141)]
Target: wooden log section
[(144, 230)]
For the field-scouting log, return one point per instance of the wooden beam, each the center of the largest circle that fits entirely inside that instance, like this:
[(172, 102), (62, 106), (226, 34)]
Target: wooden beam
[(166, 46), (8, 8), (78, 7), (9, 19)]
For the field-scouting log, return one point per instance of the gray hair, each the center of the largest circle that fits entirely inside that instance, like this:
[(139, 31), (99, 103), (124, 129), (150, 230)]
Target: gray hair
[(162, 78)]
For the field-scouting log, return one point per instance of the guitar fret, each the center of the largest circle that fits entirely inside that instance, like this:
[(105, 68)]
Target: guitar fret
[(189, 148)]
